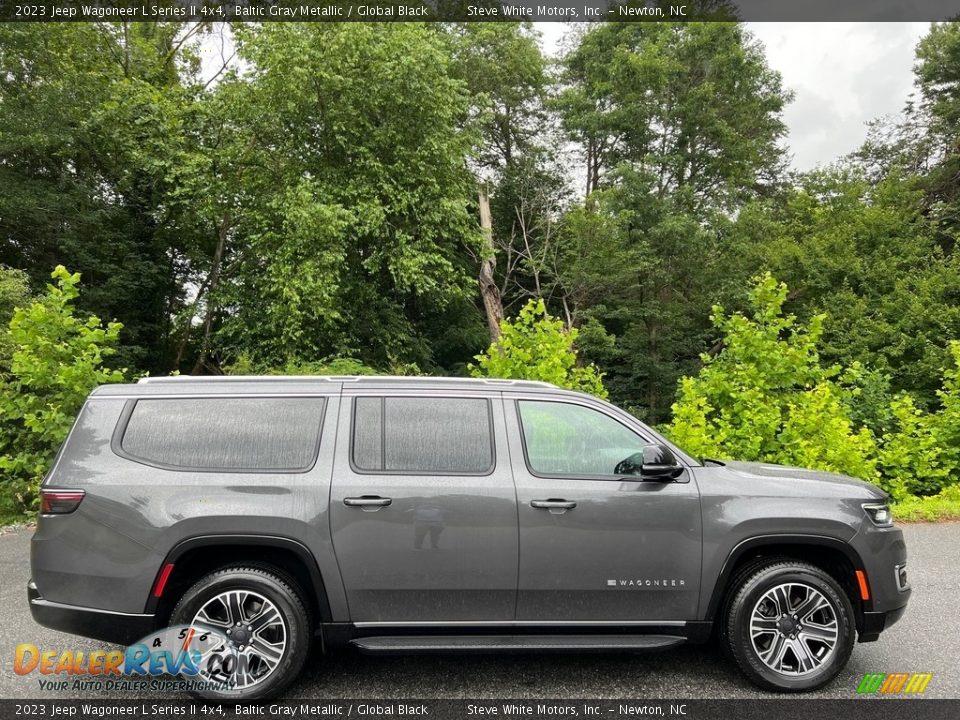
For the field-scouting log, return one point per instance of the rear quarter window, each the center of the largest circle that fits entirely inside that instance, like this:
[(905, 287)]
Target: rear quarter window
[(225, 434), (430, 436)]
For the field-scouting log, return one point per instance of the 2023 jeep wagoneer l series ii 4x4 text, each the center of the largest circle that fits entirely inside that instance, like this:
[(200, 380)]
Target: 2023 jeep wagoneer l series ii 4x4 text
[(406, 515)]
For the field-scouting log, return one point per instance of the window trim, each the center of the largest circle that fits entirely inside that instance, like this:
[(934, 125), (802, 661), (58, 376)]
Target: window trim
[(357, 470), (116, 440), (581, 476)]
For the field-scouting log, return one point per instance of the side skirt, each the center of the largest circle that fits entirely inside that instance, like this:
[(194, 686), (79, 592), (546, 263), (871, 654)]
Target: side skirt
[(402, 638)]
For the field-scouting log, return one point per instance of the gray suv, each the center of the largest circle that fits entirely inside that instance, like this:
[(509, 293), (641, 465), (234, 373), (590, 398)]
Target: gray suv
[(406, 515)]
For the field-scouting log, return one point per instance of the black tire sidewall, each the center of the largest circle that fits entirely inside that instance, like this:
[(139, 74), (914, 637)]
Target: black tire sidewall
[(738, 627), (283, 596)]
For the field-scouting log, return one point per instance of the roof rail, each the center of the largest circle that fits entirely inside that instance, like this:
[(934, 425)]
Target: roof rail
[(426, 379)]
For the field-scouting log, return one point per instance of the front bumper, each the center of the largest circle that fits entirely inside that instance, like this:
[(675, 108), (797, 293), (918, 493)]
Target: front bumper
[(112, 627), (884, 555), (875, 623)]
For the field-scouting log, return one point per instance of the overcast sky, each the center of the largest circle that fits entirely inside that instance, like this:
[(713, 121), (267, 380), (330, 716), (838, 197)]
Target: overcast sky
[(842, 76)]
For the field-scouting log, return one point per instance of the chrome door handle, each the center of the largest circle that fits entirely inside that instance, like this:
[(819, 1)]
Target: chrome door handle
[(553, 504), (367, 501)]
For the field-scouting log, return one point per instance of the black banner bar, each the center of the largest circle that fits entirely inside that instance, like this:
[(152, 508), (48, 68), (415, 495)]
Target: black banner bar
[(480, 10)]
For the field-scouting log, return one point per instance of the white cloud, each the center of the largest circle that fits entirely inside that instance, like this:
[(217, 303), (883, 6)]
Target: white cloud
[(843, 75)]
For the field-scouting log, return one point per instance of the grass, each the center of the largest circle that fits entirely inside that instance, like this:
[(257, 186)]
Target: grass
[(944, 506)]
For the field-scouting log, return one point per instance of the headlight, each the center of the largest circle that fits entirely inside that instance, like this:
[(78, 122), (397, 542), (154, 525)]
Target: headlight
[(879, 513)]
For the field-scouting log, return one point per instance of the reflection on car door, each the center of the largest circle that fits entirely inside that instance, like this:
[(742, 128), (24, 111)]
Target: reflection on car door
[(423, 509)]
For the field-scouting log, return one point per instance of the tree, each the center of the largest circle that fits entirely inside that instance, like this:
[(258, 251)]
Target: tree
[(536, 346), (506, 77), (765, 396), (692, 108), (680, 125), (520, 186), (867, 256), (58, 359), (356, 241), (93, 125), (937, 72)]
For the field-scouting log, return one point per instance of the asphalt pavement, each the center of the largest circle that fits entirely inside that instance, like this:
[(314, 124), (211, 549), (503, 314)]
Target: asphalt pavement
[(927, 639)]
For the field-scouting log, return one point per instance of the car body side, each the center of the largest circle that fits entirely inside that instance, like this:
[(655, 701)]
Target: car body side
[(95, 571)]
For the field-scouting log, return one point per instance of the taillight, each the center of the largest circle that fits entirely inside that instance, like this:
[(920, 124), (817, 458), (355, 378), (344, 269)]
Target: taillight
[(59, 502)]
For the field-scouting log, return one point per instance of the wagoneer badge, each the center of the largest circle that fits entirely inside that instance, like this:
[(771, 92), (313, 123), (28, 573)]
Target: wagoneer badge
[(660, 583)]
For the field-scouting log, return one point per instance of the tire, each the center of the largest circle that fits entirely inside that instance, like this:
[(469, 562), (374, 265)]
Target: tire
[(788, 654), (255, 589)]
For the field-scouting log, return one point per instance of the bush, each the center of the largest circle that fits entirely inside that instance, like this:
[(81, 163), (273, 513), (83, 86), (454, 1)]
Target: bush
[(536, 346), (921, 452), (57, 360), (766, 397), (14, 293)]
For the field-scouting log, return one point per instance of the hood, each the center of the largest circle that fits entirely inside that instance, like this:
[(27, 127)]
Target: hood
[(767, 471)]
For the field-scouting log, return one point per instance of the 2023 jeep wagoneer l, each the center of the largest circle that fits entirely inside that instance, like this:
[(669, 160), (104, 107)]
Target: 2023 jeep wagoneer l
[(427, 514)]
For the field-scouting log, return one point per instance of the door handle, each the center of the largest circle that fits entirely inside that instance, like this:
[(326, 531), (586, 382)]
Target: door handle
[(367, 502), (553, 504)]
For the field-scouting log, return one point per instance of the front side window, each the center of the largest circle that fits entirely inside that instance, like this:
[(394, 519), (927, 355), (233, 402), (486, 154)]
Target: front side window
[(567, 439), (246, 434), (422, 435)]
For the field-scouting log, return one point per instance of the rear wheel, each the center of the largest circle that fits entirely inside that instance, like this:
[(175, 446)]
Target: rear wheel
[(261, 613), (789, 626)]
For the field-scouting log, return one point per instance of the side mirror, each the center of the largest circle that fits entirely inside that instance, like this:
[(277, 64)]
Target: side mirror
[(656, 463)]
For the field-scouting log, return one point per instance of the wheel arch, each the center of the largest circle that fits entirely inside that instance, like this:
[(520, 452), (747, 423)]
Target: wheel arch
[(192, 559), (834, 556)]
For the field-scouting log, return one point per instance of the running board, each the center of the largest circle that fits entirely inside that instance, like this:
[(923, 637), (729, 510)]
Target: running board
[(402, 645)]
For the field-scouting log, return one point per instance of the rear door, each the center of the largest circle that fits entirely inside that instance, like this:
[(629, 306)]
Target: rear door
[(594, 546), (423, 509)]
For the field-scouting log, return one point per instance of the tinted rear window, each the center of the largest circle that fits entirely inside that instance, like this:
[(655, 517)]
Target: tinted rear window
[(225, 433), (422, 435)]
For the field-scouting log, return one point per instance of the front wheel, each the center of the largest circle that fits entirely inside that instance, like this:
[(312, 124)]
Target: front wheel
[(261, 614), (790, 626)]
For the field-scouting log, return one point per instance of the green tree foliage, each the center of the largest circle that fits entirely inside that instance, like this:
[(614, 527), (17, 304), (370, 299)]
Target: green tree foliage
[(536, 346), (58, 359), (14, 293), (679, 123), (93, 125), (865, 255), (766, 396), (938, 77), (921, 452), (356, 238), (505, 73)]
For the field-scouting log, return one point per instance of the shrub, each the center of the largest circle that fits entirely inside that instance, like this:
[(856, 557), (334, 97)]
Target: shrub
[(536, 346), (56, 361), (14, 293), (921, 453), (765, 396)]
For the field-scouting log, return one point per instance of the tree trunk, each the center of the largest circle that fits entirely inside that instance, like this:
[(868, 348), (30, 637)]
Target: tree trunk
[(492, 303), (214, 278)]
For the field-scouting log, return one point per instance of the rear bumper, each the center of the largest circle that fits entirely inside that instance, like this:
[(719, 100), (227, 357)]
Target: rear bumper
[(111, 627)]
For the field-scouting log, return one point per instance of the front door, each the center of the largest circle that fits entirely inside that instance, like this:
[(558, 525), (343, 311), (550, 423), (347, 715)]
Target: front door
[(595, 546), (423, 510)]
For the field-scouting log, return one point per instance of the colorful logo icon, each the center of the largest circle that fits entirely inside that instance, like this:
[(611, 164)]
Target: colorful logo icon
[(894, 683)]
